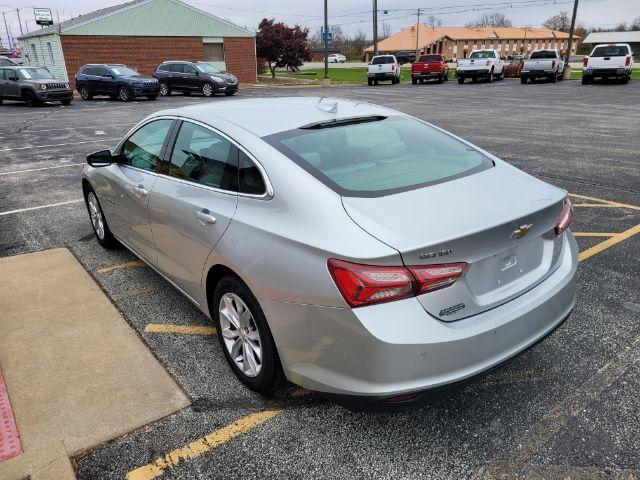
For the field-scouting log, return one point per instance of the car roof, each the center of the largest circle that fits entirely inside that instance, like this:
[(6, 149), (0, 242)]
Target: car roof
[(266, 116)]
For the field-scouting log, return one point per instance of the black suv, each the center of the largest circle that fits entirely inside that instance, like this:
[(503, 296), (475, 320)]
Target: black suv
[(116, 81), (187, 77), (405, 57)]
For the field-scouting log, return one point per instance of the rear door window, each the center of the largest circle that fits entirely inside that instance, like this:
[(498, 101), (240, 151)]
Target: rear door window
[(382, 157), (382, 60), (143, 148)]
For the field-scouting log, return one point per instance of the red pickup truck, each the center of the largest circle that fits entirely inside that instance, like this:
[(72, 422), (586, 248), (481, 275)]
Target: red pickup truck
[(430, 67)]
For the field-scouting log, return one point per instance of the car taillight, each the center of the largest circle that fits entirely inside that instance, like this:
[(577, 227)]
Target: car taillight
[(435, 277), (564, 221), (585, 61), (367, 284), (393, 68), (627, 61)]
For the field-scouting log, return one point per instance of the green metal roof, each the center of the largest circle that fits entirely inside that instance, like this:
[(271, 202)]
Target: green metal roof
[(157, 18)]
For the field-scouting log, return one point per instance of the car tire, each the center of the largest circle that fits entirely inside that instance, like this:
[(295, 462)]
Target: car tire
[(414, 81), (586, 80), (375, 82), (85, 93), (446, 76), (207, 89), (249, 348), (65, 102), (165, 91), (490, 77), (30, 99), (440, 78), (369, 82), (553, 78), (98, 221), (523, 79), (460, 80), (124, 94), (229, 94), (625, 80), (153, 96)]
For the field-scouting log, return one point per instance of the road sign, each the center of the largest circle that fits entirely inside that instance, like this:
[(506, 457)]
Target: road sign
[(329, 36), (43, 16)]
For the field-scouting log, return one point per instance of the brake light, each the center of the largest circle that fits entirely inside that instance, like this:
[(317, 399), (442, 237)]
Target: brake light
[(627, 61), (564, 221), (585, 61), (393, 67), (367, 284)]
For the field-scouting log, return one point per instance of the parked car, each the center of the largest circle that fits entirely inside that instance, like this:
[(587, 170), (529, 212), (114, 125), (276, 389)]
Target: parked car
[(542, 64), (481, 64), (7, 62), (405, 57), (33, 85), (383, 67), (430, 67), (189, 77), (513, 67), (353, 249), (336, 58), (608, 61), (116, 81)]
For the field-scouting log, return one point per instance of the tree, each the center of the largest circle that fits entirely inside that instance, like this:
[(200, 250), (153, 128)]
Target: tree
[(493, 19), (282, 46), (433, 21), (561, 22), (621, 27), (635, 24)]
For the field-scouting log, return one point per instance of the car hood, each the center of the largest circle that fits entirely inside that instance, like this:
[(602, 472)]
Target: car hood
[(224, 76)]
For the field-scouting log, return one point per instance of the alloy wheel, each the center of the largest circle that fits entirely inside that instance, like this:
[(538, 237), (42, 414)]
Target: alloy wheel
[(207, 89), (124, 94), (240, 334), (96, 215), (164, 89)]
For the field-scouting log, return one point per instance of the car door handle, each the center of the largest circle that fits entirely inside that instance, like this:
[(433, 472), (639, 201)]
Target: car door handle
[(140, 191), (204, 217)]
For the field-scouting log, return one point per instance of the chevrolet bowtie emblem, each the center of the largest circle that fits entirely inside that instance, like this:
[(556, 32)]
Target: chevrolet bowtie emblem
[(522, 231)]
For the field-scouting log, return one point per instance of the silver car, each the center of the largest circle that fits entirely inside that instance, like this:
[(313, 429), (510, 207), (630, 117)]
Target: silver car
[(353, 249)]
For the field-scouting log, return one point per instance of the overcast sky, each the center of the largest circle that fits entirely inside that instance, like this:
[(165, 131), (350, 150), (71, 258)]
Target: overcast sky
[(356, 14)]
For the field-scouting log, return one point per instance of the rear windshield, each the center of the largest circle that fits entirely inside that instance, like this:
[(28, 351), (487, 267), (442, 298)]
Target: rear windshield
[(543, 54), (612, 51), (483, 54), (380, 157), (430, 58), (381, 60)]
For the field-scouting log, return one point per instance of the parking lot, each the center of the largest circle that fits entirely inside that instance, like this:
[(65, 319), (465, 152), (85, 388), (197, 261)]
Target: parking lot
[(568, 408)]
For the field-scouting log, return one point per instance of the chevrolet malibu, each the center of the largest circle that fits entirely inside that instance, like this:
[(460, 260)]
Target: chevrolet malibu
[(349, 248)]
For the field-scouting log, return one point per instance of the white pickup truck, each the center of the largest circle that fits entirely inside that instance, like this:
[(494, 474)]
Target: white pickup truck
[(480, 64), (608, 61), (383, 67), (542, 63)]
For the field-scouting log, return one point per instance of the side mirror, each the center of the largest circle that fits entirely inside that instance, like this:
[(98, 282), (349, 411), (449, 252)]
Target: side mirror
[(101, 158)]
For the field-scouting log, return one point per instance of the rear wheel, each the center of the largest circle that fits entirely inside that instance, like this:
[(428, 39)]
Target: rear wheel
[(85, 93), (124, 94), (625, 80), (98, 222), (490, 77), (207, 89), (165, 91), (414, 81), (440, 78), (245, 336), (65, 102), (375, 82)]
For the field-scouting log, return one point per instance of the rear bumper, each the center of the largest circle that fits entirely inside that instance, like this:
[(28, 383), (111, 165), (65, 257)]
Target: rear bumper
[(537, 73), (426, 75), (480, 72), (364, 355), (381, 76), (606, 72)]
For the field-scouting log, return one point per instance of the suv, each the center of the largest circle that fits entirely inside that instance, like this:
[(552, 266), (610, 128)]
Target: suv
[(7, 62), (405, 57), (188, 77), (383, 67), (116, 81), (33, 85), (608, 61)]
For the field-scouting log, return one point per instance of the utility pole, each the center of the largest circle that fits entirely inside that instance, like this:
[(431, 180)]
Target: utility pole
[(567, 71), (375, 27), (326, 41), (19, 21), (417, 35), (7, 29)]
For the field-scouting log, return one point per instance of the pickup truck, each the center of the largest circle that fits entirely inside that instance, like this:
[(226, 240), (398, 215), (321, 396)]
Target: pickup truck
[(542, 63), (480, 64), (429, 67), (383, 67), (608, 61)]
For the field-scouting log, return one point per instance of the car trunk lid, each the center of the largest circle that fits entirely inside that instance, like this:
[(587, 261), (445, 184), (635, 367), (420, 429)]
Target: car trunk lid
[(500, 221)]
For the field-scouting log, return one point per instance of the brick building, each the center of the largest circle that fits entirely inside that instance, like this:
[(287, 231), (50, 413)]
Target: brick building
[(459, 42), (142, 34)]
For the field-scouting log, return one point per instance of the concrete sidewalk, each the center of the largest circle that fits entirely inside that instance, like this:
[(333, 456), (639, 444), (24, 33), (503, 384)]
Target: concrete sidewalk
[(76, 373)]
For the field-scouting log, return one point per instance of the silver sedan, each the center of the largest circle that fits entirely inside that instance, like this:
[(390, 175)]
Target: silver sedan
[(352, 249)]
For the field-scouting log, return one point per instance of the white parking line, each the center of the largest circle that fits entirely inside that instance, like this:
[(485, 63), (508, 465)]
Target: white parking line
[(128, 125), (38, 169), (40, 206), (59, 144)]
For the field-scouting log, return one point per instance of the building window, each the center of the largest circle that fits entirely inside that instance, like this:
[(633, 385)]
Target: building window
[(213, 52), (50, 50), (34, 53)]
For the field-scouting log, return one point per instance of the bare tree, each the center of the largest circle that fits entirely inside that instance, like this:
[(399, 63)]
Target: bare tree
[(561, 22), (386, 30), (433, 21), (635, 24), (493, 19), (621, 27)]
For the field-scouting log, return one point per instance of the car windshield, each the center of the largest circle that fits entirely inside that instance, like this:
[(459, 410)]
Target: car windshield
[(379, 157), (610, 51), (382, 60), (124, 71), (430, 58), (483, 54), (39, 73), (206, 68), (543, 54)]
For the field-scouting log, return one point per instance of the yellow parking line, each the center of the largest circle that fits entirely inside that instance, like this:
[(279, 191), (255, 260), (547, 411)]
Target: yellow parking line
[(121, 266), (135, 292), (201, 445), (594, 234), (184, 329), (596, 205), (608, 202), (610, 242)]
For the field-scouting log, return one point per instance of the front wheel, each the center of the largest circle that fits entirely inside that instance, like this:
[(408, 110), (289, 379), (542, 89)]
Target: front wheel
[(460, 80), (164, 89), (245, 336), (124, 94), (207, 89), (85, 93), (65, 102), (30, 99), (369, 82), (98, 222)]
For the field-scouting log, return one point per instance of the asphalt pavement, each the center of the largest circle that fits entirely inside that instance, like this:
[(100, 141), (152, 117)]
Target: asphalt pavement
[(567, 408)]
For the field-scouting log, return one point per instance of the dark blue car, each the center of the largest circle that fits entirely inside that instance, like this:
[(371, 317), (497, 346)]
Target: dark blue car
[(116, 81)]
